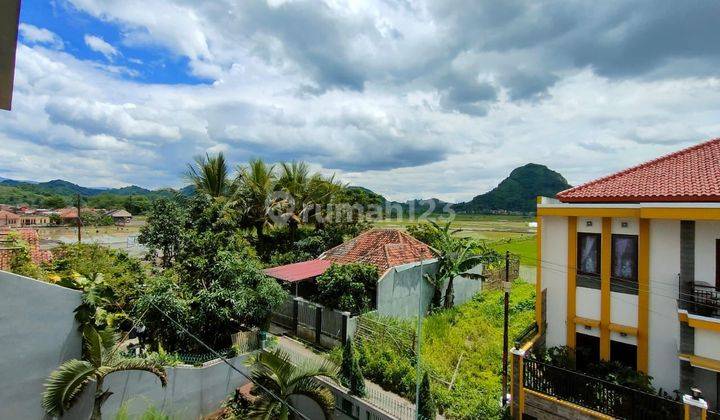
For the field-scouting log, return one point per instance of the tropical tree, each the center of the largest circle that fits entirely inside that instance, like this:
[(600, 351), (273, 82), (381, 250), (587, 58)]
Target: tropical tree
[(210, 175), (163, 232), (457, 257), (274, 372), (68, 381), (255, 186), (350, 375), (426, 407)]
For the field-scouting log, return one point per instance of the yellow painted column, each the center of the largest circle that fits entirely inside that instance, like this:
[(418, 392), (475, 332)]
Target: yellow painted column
[(606, 249), (643, 295), (538, 274), (571, 279)]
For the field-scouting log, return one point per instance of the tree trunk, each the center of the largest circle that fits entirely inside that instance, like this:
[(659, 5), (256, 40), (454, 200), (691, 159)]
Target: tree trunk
[(259, 230), (449, 294), (100, 398)]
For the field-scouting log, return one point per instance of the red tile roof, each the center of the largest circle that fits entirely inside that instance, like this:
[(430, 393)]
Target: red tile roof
[(6, 215), (691, 174), (30, 236), (299, 271), (383, 248)]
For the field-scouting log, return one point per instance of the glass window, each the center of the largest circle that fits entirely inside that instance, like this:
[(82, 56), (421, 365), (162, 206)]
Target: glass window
[(589, 253), (624, 257)]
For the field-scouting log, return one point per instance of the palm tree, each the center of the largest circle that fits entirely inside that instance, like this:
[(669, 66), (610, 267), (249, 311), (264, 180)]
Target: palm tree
[(210, 175), (68, 381), (457, 257), (279, 375), (255, 185)]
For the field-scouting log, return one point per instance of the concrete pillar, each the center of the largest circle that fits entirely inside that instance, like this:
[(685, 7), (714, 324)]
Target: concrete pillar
[(695, 409), (318, 323), (516, 383), (344, 332)]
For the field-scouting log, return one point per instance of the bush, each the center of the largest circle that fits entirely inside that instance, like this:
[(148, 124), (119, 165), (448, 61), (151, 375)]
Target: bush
[(348, 287)]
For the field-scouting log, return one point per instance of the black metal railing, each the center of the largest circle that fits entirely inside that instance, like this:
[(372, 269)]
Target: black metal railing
[(707, 300), (596, 394), (526, 335)]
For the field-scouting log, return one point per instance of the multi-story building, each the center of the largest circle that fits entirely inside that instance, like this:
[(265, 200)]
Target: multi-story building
[(629, 269)]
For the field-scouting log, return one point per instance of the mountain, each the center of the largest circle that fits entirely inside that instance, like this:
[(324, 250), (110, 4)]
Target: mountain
[(517, 193), (56, 186)]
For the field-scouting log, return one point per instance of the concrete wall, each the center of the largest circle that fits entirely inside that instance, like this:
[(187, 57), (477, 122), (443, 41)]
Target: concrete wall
[(191, 391), (37, 333), (705, 235), (664, 329), (399, 289), (554, 277)]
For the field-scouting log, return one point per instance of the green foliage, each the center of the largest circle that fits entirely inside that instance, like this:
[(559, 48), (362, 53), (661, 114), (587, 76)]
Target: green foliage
[(163, 358), (288, 258), (210, 175), (347, 287), (54, 202), (517, 192), (150, 413), (350, 375), (21, 262), (471, 334), (525, 247), (426, 408), (164, 231), (425, 232), (275, 372), (135, 204), (67, 382)]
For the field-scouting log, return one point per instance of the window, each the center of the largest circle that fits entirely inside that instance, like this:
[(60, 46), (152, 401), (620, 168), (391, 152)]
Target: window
[(624, 263), (589, 253), (588, 260), (623, 353)]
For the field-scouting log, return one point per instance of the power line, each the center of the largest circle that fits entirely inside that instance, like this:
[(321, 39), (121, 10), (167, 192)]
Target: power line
[(232, 366)]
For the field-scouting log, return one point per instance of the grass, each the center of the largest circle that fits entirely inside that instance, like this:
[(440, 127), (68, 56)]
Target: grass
[(524, 246), (479, 226), (467, 338)]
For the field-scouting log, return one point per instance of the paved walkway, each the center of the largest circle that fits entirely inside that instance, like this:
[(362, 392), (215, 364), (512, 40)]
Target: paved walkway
[(388, 402)]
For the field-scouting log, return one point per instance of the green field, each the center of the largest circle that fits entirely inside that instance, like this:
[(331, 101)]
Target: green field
[(525, 247)]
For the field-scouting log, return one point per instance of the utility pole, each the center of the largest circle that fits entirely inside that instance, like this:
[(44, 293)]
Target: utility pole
[(506, 286), (79, 223)]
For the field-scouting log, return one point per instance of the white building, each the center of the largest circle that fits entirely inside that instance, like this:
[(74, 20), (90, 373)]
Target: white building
[(630, 269)]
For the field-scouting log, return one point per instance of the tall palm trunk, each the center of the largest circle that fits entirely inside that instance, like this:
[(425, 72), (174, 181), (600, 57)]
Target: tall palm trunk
[(259, 230)]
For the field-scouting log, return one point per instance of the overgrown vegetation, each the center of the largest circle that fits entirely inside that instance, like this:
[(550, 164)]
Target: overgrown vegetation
[(466, 338), (348, 287)]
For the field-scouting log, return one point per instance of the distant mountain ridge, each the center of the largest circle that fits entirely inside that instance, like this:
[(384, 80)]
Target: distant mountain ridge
[(518, 192)]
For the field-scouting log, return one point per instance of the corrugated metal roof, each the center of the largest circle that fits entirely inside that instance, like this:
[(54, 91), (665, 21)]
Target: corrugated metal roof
[(299, 271)]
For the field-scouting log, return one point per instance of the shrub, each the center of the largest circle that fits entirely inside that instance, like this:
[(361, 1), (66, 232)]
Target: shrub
[(426, 406), (347, 287), (350, 374)]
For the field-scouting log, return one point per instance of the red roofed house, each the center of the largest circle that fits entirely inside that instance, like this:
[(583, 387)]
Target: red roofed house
[(401, 261), (630, 269), (8, 219), (8, 247)]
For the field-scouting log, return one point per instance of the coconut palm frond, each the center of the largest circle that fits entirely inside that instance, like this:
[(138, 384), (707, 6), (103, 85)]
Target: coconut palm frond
[(144, 365), (65, 385)]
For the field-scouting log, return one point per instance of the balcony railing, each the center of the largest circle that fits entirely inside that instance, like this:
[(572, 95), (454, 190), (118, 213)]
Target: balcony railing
[(596, 394), (706, 299)]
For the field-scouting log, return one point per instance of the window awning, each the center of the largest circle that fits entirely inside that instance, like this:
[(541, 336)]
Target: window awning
[(299, 271)]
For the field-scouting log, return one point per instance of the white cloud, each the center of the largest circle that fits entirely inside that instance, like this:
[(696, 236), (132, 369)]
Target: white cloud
[(33, 35), (98, 44), (412, 100)]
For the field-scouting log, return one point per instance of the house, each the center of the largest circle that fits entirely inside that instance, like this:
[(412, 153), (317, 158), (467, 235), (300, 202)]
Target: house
[(629, 270), (9, 219), (401, 261), (121, 217), (34, 218)]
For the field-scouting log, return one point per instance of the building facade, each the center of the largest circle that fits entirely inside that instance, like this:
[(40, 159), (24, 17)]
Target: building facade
[(630, 269)]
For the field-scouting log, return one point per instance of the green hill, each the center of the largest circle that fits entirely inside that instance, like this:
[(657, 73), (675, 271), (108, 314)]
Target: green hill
[(517, 193)]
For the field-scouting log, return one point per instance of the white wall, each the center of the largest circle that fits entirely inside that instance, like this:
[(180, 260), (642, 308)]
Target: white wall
[(705, 235), (582, 224), (664, 334), (707, 343), (623, 309), (587, 303), (554, 277)]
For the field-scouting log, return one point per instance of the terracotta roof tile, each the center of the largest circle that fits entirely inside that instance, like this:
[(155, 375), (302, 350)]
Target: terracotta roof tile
[(691, 174), (30, 236), (383, 248)]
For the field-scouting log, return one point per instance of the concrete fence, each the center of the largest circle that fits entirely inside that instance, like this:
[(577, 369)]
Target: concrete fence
[(38, 333), (315, 323)]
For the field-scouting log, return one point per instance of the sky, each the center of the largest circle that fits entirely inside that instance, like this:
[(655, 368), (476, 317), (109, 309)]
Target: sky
[(411, 99)]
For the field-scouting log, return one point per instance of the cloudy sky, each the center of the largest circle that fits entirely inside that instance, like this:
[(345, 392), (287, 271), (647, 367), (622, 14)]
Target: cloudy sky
[(408, 98)]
